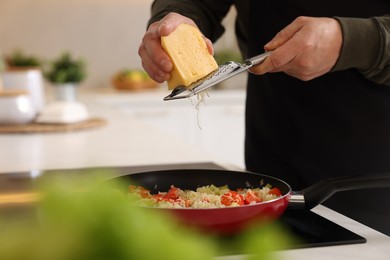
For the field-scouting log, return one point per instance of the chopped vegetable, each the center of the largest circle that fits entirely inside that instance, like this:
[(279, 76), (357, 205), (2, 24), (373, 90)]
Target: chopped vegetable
[(275, 191), (251, 197), (209, 196), (232, 198)]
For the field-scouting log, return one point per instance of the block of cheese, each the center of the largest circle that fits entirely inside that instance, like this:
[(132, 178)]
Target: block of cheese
[(189, 54)]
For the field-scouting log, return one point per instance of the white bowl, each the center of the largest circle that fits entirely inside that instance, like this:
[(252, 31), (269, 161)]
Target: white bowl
[(16, 108)]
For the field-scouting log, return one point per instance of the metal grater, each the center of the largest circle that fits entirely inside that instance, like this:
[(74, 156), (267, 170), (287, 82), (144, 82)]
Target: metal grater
[(223, 72)]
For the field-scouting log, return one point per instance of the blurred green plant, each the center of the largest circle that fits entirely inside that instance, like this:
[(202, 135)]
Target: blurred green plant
[(223, 56), (19, 59), (80, 219), (66, 69), (98, 224), (264, 241)]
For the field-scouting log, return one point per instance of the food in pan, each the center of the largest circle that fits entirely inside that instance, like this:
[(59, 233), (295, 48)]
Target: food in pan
[(189, 54), (204, 197)]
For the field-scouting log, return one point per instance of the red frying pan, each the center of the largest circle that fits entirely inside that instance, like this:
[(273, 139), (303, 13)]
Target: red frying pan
[(231, 220)]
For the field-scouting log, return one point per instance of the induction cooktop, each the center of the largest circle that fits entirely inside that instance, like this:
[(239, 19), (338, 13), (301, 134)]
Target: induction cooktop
[(311, 229), (314, 230), (307, 230)]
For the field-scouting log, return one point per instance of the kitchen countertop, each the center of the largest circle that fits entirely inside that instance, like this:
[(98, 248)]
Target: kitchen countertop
[(126, 141), (123, 141)]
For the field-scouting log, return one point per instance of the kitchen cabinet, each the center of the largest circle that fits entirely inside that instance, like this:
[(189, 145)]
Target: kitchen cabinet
[(215, 125)]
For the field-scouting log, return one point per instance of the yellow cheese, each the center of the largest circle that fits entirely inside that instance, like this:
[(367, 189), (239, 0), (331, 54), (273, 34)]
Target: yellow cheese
[(189, 54)]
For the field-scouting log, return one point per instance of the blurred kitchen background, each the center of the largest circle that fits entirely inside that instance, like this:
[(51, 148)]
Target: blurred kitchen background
[(105, 33)]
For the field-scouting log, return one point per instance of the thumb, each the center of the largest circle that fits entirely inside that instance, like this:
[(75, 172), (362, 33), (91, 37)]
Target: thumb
[(209, 45)]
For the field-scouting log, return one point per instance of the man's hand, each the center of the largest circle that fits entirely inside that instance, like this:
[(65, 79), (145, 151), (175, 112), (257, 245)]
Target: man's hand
[(155, 60), (307, 48)]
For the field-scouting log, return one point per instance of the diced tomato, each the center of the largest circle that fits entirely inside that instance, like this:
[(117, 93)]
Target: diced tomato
[(251, 197), (157, 197), (275, 191), (188, 203), (231, 197), (144, 193), (226, 199), (172, 194), (162, 197)]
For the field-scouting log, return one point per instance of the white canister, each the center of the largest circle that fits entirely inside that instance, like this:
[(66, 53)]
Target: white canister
[(29, 79), (16, 108)]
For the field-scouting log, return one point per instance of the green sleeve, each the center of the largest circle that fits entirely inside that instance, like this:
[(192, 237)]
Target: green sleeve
[(205, 13), (366, 47)]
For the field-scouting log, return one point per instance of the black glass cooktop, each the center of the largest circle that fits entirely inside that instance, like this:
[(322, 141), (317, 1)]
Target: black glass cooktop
[(306, 228), (311, 229)]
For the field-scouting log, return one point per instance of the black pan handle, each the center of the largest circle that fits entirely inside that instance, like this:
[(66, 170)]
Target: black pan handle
[(324, 189)]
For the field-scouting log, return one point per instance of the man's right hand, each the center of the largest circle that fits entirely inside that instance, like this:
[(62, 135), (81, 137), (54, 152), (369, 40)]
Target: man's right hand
[(155, 60)]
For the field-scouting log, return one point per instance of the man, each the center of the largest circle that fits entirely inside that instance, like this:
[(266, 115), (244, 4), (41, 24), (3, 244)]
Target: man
[(321, 107)]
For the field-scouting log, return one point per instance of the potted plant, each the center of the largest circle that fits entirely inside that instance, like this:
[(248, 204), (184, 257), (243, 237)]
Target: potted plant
[(65, 73), (19, 60), (24, 72)]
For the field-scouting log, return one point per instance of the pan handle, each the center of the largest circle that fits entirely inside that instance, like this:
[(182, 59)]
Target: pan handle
[(324, 189)]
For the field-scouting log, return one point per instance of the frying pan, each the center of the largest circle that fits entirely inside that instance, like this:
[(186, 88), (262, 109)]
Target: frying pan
[(232, 220)]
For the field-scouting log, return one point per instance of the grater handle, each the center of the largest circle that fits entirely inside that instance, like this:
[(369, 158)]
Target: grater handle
[(256, 59)]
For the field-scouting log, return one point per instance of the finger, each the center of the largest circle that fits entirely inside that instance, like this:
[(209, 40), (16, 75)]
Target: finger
[(150, 67), (275, 62), (151, 48), (285, 34), (209, 44), (264, 67), (169, 23)]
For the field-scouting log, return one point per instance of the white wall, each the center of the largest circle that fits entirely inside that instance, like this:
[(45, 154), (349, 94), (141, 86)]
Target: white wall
[(106, 33)]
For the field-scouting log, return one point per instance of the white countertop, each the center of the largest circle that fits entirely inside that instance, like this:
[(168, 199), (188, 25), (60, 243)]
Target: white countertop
[(123, 141), (126, 141)]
